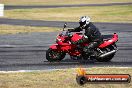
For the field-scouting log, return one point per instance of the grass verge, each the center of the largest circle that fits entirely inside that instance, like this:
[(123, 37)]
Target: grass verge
[(98, 14), (54, 2), (58, 79), (11, 29)]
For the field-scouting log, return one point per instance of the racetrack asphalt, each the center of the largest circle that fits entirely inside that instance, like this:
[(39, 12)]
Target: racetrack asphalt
[(10, 7), (41, 23), (27, 51)]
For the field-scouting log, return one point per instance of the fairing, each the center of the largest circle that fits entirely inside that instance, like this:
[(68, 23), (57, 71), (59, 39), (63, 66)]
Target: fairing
[(109, 41)]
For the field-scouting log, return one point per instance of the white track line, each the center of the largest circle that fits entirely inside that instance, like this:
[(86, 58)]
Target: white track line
[(48, 70)]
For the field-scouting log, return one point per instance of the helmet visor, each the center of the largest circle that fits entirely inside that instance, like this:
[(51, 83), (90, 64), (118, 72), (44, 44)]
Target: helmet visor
[(82, 23)]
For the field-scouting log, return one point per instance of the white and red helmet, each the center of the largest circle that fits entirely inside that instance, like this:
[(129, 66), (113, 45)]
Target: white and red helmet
[(84, 21)]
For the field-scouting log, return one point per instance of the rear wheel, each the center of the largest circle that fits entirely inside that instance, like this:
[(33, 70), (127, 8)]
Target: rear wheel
[(53, 55), (109, 57)]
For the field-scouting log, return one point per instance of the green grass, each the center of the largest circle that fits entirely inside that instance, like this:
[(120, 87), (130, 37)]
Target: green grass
[(98, 14), (56, 2), (59, 79), (11, 29)]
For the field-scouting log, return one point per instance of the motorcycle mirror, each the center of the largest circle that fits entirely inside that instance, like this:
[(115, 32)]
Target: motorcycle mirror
[(65, 25)]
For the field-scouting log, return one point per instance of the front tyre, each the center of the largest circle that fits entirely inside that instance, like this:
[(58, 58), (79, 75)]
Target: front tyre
[(54, 55)]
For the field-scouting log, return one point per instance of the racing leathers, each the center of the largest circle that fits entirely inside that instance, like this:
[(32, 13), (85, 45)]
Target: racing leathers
[(92, 35)]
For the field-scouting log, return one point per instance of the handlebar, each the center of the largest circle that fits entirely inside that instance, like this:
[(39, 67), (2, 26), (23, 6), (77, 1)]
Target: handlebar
[(65, 33)]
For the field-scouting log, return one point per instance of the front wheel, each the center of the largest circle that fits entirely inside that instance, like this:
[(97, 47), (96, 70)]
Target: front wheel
[(54, 55)]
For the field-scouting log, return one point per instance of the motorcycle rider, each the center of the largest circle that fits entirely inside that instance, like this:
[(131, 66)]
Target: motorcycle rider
[(92, 35)]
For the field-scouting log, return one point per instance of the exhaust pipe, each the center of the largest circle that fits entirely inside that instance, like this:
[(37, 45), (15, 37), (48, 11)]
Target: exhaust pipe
[(107, 54)]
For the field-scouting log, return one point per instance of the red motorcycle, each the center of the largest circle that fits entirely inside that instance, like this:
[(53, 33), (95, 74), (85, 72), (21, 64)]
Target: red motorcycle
[(56, 52)]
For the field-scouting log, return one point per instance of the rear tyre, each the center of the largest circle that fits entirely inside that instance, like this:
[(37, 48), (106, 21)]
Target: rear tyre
[(54, 56)]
